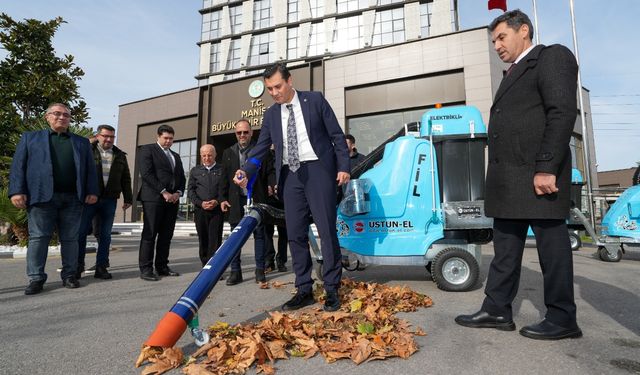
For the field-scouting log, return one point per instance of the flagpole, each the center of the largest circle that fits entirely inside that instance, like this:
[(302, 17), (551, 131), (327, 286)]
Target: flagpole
[(585, 134), (535, 22)]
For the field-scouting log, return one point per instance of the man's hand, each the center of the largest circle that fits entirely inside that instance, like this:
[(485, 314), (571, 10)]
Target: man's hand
[(175, 197), (19, 200), (125, 206), (224, 206), (167, 196), (240, 178), (91, 199), (209, 205), (343, 178), (544, 183)]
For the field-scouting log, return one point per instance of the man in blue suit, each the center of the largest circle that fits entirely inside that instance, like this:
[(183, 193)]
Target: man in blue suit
[(311, 161), (52, 175)]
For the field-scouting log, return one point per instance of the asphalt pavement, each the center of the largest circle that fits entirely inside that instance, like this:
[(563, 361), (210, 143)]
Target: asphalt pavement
[(100, 327)]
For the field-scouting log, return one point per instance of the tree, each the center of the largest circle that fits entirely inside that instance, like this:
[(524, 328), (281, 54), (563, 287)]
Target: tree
[(31, 78)]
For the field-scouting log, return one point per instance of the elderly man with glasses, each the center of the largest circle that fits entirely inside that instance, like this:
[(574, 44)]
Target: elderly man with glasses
[(51, 176)]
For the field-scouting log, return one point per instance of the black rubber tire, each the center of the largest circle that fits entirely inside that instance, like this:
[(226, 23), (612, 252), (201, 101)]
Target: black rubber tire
[(605, 257), (576, 242), (442, 270)]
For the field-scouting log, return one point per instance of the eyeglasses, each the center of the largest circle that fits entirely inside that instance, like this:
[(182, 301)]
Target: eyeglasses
[(241, 132), (107, 136), (60, 114)]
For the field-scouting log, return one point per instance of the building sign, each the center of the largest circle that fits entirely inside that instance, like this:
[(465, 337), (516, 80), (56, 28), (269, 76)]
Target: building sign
[(256, 88), (255, 115)]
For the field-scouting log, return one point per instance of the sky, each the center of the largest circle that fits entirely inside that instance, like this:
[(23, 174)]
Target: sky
[(136, 49)]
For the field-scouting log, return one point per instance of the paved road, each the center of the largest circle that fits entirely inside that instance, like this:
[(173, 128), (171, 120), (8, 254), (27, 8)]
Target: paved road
[(99, 328)]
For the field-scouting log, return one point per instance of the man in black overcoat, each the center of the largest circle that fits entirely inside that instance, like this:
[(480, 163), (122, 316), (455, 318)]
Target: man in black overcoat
[(528, 178)]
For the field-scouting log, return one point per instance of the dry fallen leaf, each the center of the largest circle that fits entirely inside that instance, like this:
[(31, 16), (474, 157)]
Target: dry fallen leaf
[(364, 329)]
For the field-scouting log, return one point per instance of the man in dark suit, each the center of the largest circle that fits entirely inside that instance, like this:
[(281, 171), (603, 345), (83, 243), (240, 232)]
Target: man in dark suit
[(233, 158), (528, 178), (114, 178), (162, 185), (354, 156), (311, 160), (52, 175), (208, 190)]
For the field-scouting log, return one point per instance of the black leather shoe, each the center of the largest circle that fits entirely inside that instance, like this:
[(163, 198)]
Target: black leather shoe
[(34, 287), (102, 273), (235, 277), (79, 271), (166, 272), (282, 267), (71, 283), (149, 276), (332, 301), (482, 319), (260, 278), (299, 301), (545, 330)]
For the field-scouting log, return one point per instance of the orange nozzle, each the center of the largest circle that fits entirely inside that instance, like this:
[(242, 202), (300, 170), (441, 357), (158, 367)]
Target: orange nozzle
[(168, 331)]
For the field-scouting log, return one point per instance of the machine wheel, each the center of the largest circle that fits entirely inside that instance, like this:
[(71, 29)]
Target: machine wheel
[(318, 270), (455, 270), (350, 265), (606, 257), (576, 242)]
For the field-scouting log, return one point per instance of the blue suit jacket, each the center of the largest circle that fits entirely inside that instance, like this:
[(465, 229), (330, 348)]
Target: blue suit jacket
[(32, 172), (325, 135)]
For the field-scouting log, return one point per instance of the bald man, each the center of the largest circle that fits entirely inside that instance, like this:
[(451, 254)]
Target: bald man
[(208, 189)]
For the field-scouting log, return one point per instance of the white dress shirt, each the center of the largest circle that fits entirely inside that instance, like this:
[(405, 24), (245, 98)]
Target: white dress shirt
[(305, 151)]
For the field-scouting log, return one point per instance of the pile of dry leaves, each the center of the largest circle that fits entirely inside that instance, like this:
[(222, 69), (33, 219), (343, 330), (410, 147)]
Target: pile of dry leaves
[(364, 329)]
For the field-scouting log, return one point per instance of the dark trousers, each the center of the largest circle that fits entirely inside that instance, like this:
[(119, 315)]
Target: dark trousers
[(209, 225), (311, 190), (259, 249), (104, 210), (159, 222), (271, 256), (556, 262)]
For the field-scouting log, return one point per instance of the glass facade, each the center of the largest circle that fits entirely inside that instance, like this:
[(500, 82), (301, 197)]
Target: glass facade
[(262, 50), (292, 10), (304, 16), (211, 25), (262, 14), (233, 62), (348, 34), (388, 27), (188, 151), (292, 43)]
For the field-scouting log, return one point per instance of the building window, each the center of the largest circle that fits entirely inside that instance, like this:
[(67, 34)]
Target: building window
[(387, 2), (211, 25), (233, 62), (188, 151), (389, 27), (292, 43), (425, 19), (261, 14), (235, 19), (214, 65), (292, 8), (316, 41), (207, 4), (317, 8), (262, 50), (351, 5), (348, 34)]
